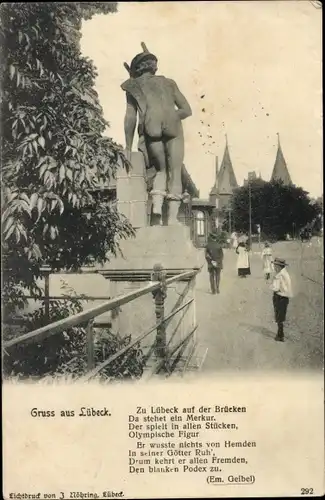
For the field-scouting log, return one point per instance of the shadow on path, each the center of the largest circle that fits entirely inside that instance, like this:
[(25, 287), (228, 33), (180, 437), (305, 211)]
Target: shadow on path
[(259, 329)]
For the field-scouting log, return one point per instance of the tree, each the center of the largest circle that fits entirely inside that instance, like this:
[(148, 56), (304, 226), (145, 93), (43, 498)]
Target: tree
[(53, 149), (277, 208)]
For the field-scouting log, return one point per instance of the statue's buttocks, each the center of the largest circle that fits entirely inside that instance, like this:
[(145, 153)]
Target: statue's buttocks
[(155, 98)]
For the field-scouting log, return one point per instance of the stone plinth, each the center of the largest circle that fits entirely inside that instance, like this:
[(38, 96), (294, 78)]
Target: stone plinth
[(170, 246), (131, 191)]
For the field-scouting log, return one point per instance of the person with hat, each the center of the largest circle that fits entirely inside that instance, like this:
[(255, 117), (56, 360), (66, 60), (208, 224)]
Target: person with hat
[(160, 107), (214, 258), (282, 292), (267, 260)]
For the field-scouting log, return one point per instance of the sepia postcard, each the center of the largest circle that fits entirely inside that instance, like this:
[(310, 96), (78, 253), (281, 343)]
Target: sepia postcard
[(162, 249)]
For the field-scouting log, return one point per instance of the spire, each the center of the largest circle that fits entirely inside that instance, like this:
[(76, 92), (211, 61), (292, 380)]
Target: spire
[(280, 169), (226, 179), (214, 189), (217, 171)]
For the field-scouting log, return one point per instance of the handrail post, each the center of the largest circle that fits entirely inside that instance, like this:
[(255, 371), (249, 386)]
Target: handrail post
[(193, 285), (194, 319), (159, 295), (90, 345)]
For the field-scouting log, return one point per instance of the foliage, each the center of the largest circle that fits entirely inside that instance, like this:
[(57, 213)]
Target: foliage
[(277, 208), (65, 353), (53, 150)]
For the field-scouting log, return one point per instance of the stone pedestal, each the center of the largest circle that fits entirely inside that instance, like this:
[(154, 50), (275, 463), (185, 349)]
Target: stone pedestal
[(131, 191), (170, 246)]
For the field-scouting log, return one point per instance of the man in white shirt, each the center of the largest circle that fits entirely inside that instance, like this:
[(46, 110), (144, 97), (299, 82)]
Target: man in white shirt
[(282, 292)]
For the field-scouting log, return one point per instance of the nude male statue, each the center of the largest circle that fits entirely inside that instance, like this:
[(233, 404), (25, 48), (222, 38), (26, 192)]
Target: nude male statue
[(160, 108)]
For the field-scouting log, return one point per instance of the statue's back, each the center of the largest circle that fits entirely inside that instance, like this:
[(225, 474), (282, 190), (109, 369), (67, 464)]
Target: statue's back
[(157, 106)]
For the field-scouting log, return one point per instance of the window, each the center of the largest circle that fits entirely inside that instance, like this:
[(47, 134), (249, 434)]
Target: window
[(200, 224)]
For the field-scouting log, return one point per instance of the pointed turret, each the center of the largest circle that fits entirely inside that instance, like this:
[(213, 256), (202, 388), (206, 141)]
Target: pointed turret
[(280, 169), (214, 196), (226, 179), (214, 189)]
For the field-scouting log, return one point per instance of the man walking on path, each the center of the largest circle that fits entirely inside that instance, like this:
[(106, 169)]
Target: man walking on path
[(282, 292), (214, 258)]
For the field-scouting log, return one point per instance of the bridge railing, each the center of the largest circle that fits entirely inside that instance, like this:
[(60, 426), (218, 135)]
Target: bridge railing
[(168, 350)]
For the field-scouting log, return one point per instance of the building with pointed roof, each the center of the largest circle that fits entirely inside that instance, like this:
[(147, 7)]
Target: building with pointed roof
[(224, 186), (280, 169), (213, 195), (208, 214), (226, 177)]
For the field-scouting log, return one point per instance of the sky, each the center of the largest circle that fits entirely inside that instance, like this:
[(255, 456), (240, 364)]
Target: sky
[(257, 64)]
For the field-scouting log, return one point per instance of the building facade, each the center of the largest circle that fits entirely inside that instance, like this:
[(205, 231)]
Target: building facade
[(209, 214), (252, 177)]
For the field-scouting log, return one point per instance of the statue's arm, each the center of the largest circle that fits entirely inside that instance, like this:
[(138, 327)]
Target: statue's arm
[(184, 109), (130, 121)]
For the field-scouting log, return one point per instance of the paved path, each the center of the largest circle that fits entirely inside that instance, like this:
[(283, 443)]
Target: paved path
[(237, 326)]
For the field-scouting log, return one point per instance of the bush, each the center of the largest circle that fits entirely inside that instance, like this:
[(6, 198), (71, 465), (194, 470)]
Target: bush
[(66, 353)]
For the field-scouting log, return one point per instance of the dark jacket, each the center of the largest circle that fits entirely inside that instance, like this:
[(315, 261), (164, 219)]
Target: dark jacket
[(214, 252)]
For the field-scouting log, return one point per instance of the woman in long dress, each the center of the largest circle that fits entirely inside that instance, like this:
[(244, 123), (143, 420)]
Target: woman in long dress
[(243, 266), (234, 240), (267, 260)]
